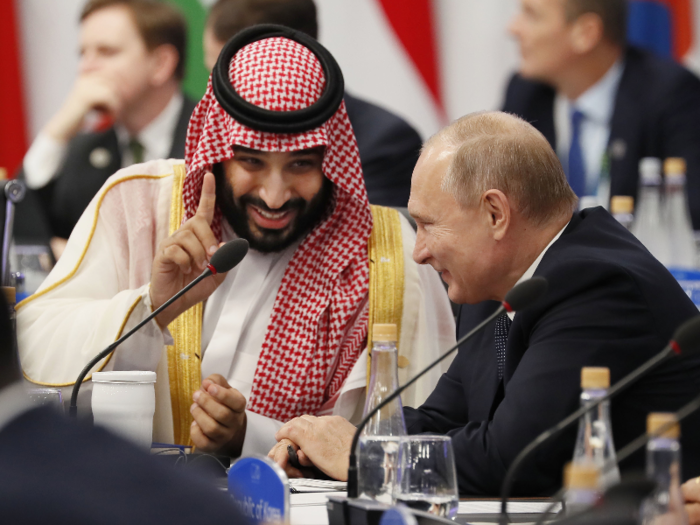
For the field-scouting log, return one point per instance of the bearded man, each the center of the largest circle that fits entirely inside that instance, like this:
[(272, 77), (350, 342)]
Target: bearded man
[(270, 157)]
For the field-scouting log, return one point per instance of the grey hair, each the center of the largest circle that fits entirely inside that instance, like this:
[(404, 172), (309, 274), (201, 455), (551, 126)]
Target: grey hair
[(494, 150)]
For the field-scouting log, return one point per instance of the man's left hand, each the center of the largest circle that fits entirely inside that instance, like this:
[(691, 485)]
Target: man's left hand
[(219, 417), (324, 441)]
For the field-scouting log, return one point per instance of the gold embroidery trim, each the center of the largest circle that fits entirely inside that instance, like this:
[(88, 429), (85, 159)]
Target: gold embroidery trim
[(75, 269), (386, 273), (87, 378), (184, 360)]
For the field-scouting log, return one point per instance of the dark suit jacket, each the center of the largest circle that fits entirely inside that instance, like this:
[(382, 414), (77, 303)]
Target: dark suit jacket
[(389, 149), (657, 114), (64, 199), (55, 471), (610, 303)]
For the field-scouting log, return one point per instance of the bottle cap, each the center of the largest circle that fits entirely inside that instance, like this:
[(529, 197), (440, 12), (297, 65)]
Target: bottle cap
[(10, 294), (674, 166), (580, 476), (595, 377), (656, 420), (650, 171), (621, 204), (384, 332)]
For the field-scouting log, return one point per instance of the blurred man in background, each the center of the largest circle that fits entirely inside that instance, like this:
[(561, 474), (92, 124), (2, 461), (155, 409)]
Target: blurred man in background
[(125, 107), (389, 146), (602, 104)]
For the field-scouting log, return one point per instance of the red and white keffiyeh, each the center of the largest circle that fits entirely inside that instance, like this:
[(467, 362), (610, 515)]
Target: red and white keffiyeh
[(318, 324)]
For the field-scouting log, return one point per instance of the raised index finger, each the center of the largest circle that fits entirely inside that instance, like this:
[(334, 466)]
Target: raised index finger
[(207, 201)]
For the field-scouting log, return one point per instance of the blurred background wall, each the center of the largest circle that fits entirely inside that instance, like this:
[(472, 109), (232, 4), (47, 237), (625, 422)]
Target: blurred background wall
[(428, 60)]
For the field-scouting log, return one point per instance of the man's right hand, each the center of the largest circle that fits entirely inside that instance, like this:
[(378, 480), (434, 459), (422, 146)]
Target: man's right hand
[(90, 92), (183, 256)]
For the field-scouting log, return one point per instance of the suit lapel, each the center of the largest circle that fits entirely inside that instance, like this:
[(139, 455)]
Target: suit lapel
[(177, 150), (626, 131)]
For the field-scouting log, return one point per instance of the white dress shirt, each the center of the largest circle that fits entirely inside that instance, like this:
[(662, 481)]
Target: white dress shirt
[(533, 267), (597, 105), (46, 155), (234, 325)]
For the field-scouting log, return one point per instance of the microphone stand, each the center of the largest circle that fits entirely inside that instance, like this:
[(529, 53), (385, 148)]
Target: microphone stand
[(671, 348), (73, 409), (642, 440), (352, 466)]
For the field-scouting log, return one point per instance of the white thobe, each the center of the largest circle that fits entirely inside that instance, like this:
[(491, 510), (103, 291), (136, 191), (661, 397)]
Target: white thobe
[(99, 289)]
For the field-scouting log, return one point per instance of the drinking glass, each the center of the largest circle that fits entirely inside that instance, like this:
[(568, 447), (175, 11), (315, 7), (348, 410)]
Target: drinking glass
[(46, 397), (377, 465), (426, 475)]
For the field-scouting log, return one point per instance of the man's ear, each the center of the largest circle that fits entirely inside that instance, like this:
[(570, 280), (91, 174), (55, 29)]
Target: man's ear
[(587, 32), (497, 209), (165, 59)]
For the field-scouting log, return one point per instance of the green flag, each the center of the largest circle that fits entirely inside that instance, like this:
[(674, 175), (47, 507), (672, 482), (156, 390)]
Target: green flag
[(196, 74)]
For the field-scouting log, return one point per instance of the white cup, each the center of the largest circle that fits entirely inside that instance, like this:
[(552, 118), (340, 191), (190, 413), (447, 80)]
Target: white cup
[(124, 402)]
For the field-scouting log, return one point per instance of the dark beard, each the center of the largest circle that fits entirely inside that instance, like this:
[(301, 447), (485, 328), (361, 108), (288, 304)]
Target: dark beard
[(234, 210)]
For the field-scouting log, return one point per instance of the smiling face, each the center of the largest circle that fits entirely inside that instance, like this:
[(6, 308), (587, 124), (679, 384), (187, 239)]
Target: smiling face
[(454, 240), (112, 47), (545, 38), (272, 199)]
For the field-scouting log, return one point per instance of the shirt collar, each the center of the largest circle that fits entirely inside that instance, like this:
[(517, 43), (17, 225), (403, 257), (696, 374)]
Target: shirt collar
[(533, 267), (598, 102), (157, 137), (14, 401)]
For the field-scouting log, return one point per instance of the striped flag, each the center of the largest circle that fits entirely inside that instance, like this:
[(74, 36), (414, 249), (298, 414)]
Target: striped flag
[(662, 26), (13, 133)]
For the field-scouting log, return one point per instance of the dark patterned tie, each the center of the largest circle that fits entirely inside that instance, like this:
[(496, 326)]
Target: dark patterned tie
[(137, 150), (503, 323)]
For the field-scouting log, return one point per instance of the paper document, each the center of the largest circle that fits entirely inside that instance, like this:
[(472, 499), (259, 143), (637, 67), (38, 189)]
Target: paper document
[(316, 485), (514, 507)]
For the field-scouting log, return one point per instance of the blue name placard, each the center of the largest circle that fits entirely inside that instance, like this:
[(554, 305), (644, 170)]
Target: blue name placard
[(398, 516), (260, 489)]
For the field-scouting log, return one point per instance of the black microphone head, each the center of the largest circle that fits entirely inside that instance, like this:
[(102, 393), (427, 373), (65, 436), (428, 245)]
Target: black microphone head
[(686, 339), (229, 255), (524, 294)]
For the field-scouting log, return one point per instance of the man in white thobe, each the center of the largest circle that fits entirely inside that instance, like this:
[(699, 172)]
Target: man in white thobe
[(284, 333)]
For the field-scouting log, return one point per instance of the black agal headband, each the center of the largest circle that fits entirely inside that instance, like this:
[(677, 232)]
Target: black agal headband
[(262, 119)]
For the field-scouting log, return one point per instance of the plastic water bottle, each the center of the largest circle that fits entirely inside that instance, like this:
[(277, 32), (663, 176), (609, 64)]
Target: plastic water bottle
[(648, 226), (677, 217), (379, 443), (622, 209), (594, 444), (581, 487), (664, 467)]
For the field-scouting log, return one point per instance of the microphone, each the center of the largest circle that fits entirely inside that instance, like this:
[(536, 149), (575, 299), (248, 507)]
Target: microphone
[(521, 296), (634, 445), (686, 340), (225, 258)]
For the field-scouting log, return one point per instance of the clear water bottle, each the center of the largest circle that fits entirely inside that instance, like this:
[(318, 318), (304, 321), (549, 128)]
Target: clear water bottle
[(594, 444), (379, 443), (677, 217), (664, 467), (648, 225), (581, 487), (622, 208)]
